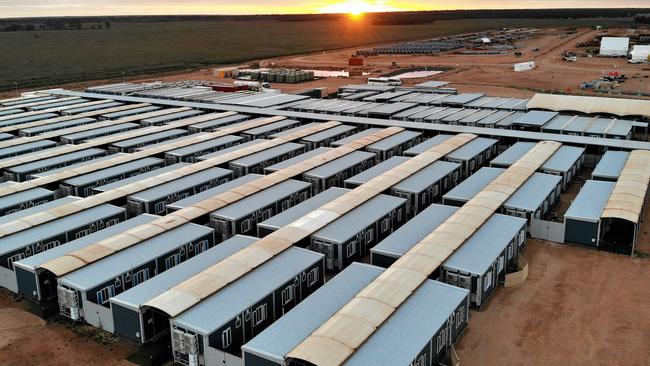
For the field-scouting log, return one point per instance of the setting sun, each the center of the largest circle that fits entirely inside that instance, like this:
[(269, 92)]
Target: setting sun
[(357, 7)]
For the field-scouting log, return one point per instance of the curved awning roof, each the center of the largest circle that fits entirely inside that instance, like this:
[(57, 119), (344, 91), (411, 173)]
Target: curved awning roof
[(628, 196), (590, 105)]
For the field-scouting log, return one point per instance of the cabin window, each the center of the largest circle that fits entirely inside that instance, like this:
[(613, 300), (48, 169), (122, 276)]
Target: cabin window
[(312, 277), (14, 258), (369, 236), (238, 322), (285, 205), (104, 294), (385, 225), (172, 260), (351, 249), (488, 281), (226, 338), (259, 315), (246, 225), (159, 207), (287, 295), (140, 276)]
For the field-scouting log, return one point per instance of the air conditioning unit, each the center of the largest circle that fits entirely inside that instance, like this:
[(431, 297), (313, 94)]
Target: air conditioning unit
[(68, 303), (185, 347)]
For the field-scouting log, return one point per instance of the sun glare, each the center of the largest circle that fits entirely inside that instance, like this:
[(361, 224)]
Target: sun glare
[(356, 8)]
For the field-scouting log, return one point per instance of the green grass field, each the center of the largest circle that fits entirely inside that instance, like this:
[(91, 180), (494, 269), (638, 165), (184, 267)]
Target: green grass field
[(55, 57)]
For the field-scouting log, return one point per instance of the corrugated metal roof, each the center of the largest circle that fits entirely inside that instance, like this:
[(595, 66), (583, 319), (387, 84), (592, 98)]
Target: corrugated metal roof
[(535, 118), (472, 149), (261, 199), (77, 165), (147, 139), (65, 158), (611, 164), (360, 217), (478, 253), (395, 140), (19, 240), (37, 260), (294, 213), (628, 198), (356, 136), (109, 267), (137, 296), (271, 127), (24, 196), (276, 341), (389, 109), (166, 189), (413, 231), (212, 143), (529, 196), (56, 126), (146, 163), (317, 137), (294, 129), (402, 337), (258, 157), (416, 182), (216, 310), (461, 99), (171, 116), (139, 177), (189, 201), (427, 144), (36, 209), (590, 201), (101, 131), (561, 161)]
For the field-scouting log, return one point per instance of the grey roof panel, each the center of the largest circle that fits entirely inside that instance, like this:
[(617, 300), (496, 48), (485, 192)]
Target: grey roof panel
[(144, 163), (77, 165), (320, 136), (590, 201), (169, 188), (24, 196), (101, 131), (286, 333), (18, 240), (611, 164), (65, 158), (400, 339), (535, 118), (267, 154), (214, 311), (230, 149), (137, 178), (106, 268), (39, 259), (189, 201), (561, 161), (294, 213), (169, 134), (413, 231), (36, 209), (260, 199), (138, 296), (354, 137), (360, 217), (394, 140), (478, 253), (212, 143), (427, 144)]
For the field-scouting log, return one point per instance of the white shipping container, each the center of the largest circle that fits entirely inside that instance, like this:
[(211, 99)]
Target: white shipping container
[(525, 66)]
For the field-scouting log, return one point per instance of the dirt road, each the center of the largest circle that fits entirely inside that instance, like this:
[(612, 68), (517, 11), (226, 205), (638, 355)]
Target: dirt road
[(578, 307)]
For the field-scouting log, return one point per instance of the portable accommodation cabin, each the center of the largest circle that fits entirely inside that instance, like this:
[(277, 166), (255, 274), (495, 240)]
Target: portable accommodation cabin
[(420, 189), (494, 118), (611, 165), (24, 199), (267, 130), (614, 46), (171, 117), (39, 285), (241, 217), (582, 221), (155, 200), (27, 117), (388, 147), (420, 332), (325, 138), (188, 154), (566, 162), (404, 115), (130, 145), (33, 131), (135, 321), (56, 105), (350, 237), (298, 211), (137, 178), (256, 162), (83, 185), (478, 265), (44, 206), (216, 123), (388, 109), (90, 107), (212, 332), (330, 174), (23, 172), (37, 239), (440, 114), (6, 111), (189, 201), (471, 156), (79, 137), (26, 148), (533, 200), (532, 120), (84, 293), (129, 112)]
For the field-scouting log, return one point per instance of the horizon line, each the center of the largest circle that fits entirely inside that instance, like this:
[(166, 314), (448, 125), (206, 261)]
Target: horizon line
[(321, 13)]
